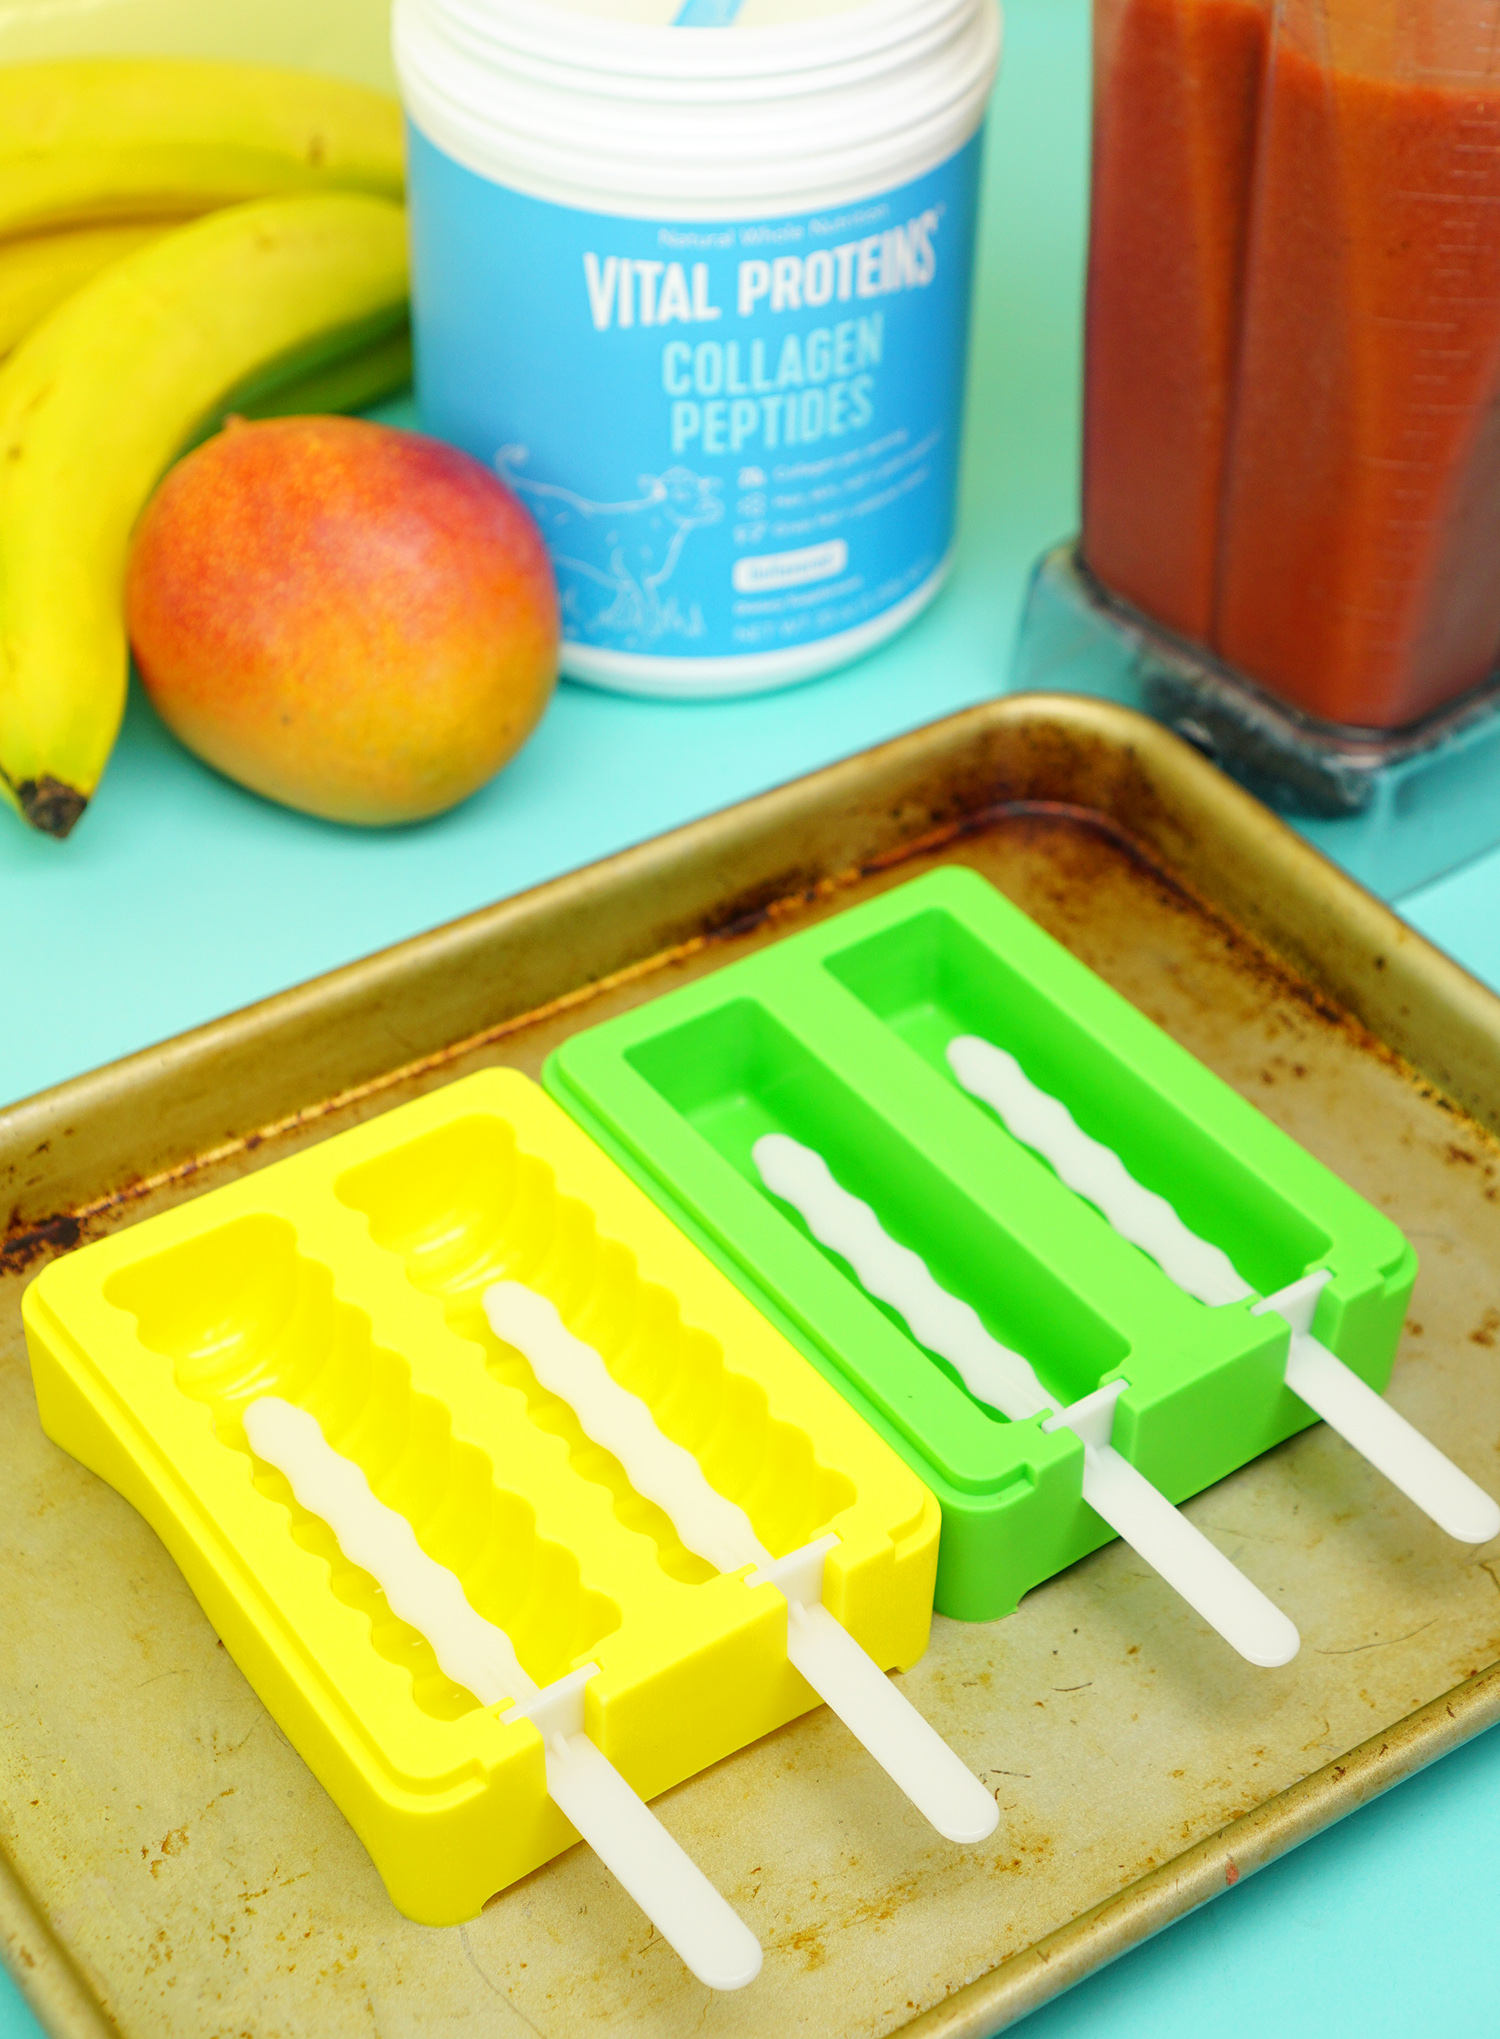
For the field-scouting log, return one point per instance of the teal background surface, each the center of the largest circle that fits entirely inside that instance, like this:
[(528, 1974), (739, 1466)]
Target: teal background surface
[(181, 897)]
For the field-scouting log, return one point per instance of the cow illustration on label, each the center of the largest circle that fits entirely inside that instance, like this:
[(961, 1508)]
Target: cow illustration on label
[(614, 560)]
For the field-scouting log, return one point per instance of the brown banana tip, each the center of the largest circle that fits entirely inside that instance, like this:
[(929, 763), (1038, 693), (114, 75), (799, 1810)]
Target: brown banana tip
[(49, 804)]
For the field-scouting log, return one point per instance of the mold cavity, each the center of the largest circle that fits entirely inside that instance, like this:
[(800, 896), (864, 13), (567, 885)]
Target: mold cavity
[(464, 1207), (736, 1073), (930, 978), (240, 1313)]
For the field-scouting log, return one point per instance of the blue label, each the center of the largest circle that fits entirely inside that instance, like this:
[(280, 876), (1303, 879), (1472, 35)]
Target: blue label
[(736, 439)]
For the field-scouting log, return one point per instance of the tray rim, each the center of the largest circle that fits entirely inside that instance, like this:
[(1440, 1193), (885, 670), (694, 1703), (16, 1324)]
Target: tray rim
[(1407, 992), (1025, 1981), (1065, 752), (49, 1982)]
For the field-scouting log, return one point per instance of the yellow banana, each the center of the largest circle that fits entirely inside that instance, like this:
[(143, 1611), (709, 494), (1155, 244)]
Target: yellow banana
[(103, 138), (355, 378), (37, 273), (95, 403)]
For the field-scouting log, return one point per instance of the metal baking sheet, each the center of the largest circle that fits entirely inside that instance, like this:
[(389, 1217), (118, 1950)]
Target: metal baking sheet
[(167, 1865)]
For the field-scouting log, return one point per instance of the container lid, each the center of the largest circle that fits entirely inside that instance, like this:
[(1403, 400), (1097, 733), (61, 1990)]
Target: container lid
[(793, 105), (707, 13)]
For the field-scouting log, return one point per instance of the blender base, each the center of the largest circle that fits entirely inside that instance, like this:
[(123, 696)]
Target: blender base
[(1395, 807)]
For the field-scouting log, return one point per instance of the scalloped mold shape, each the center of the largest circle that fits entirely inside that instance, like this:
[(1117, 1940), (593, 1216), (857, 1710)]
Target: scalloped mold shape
[(838, 1036), (349, 1281)]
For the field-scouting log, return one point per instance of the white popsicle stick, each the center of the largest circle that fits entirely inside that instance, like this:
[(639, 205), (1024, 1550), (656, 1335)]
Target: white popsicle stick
[(671, 1890), (1330, 1389), (636, 1848), (1410, 1461), (1142, 1516), (994, 1374), (708, 1523), (991, 1372), (906, 1747), (472, 1652), (1039, 1120)]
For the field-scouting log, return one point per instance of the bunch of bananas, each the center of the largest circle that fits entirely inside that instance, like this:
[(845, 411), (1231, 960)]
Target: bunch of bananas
[(177, 240)]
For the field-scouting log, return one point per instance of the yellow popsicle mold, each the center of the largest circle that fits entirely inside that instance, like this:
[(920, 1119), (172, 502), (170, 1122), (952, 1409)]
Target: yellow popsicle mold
[(348, 1280)]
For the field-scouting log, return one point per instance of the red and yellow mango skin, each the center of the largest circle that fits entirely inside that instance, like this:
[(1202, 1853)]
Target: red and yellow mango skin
[(353, 620)]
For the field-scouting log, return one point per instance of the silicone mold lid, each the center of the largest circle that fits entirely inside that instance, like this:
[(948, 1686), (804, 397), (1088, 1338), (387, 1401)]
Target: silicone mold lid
[(348, 1280), (838, 1037)]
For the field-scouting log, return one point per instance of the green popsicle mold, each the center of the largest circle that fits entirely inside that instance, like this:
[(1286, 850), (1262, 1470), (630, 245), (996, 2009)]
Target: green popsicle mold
[(838, 1036)]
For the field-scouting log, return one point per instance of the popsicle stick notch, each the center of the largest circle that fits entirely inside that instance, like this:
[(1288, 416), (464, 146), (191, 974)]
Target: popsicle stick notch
[(670, 1889), (845, 1678), (1332, 1390), (1005, 1380)]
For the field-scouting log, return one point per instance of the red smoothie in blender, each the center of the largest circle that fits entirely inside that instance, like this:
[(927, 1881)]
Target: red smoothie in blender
[(1176, 90), (1337, 452)]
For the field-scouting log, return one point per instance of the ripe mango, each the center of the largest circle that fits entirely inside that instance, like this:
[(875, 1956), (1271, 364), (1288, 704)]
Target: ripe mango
[(356, 621)]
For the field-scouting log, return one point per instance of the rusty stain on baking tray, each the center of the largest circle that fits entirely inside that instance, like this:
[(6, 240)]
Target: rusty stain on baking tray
[(168, 1866)]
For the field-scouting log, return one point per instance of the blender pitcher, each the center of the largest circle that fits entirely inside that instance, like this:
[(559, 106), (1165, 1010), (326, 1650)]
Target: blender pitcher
[(1292, 437), (1176, 96)]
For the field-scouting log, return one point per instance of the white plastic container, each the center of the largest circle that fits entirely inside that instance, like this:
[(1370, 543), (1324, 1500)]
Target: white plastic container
[(701, 294)]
